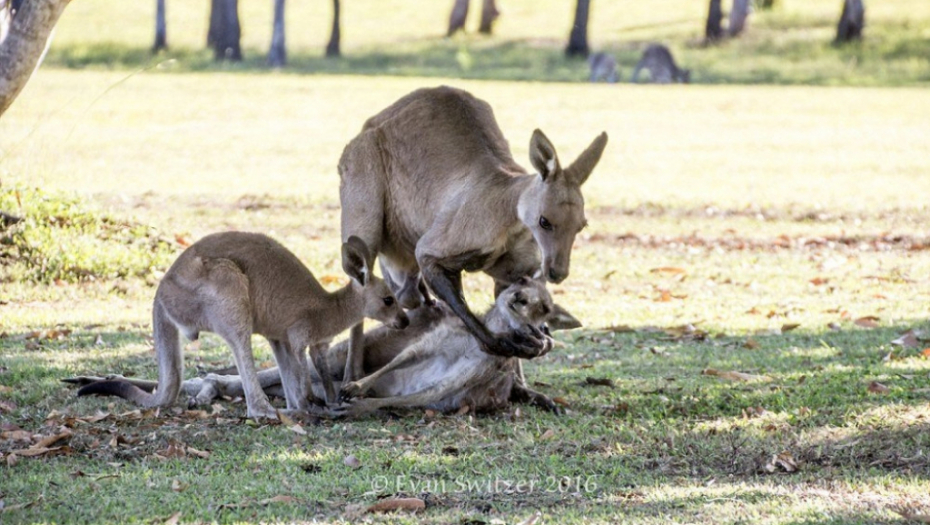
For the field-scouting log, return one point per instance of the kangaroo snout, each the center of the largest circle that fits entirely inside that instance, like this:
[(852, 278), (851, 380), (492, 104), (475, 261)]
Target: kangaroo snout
[(401, 321), (556, 275)]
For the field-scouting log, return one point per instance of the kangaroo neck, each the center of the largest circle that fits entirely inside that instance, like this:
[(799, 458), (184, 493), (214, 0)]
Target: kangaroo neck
[(343, 308)]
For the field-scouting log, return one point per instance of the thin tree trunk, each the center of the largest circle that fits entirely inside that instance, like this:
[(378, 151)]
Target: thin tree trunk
[(738, 15), (578, 39), (852, 21), (25, 44), (6, 18), (277, 54), (713, 31), (489, 14), (332, 48), (458, 16), (225, 32), (161, 27)]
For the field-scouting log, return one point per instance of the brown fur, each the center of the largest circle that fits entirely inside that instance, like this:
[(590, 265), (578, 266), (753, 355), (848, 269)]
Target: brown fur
[(430, 185), (235, 284)]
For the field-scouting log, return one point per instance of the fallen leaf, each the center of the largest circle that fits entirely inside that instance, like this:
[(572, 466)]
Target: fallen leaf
[(177, 486), (182, 240), (869, 321), (561, 402), (668, 269), (173, 519), (49, 441), (877, 388), (620, 329), (789, 327), (908, 340), (33, 452), (833, 326), (734, 376), (784, 461), (532, 519), (599, 381), (751, 344), (352, 462), (817, 281), (548, 434), (390, 505), (926, 353), (296, 428), (199, 453)]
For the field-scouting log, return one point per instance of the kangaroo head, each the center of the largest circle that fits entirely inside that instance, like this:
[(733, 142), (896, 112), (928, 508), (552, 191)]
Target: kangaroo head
[(380, 303), (553, 207), (525, 302)]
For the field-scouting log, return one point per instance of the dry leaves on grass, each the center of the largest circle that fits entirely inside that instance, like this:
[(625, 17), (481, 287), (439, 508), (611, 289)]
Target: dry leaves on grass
[(868, 321), (783, 461), (911, 514), (395, 504), (877, 388), (263, 503), (734, 376)]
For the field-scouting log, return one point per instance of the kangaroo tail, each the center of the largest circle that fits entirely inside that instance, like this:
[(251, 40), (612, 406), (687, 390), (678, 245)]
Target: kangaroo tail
[(118, 388), (170, 369)]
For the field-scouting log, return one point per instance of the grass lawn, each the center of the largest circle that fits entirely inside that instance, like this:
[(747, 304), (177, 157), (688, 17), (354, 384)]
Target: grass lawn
[(777, 232)]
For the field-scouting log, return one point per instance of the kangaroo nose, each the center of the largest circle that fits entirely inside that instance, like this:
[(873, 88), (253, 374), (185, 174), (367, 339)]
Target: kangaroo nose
[(556, 276), (402, 322)]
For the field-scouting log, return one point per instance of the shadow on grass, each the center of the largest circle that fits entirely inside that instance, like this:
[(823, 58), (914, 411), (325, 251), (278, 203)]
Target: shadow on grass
[(883, 60)]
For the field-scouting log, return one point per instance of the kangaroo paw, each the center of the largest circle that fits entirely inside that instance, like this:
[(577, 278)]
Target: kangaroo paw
[(351, 390)]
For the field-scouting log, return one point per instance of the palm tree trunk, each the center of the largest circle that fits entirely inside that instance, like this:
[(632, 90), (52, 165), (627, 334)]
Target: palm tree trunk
[(578, 39)]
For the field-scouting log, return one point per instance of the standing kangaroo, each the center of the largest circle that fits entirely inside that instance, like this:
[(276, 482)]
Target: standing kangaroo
[(430, 185), (657, 59), (235, 284)]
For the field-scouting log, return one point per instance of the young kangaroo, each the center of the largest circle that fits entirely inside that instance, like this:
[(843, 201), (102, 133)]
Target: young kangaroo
[(603, 67), (446, 367), (430, 185), (235, 284), (657, 59)]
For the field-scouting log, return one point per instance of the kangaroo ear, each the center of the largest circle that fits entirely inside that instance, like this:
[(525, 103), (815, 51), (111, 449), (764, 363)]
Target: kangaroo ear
[(583, 166), (355, 257), (542, 155), (560, 319)]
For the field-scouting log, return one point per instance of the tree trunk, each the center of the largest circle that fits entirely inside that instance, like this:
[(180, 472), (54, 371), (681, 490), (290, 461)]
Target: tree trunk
[(578, 39), (6, 18), (738, 15), (224, 33), (25, 44), (458, 16), (713, 31), (277, 54), (489, 14), (851, 21), (332, 48), (161, 27)]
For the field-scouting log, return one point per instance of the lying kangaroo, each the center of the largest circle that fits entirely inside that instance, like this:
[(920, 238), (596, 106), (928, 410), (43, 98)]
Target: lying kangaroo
[(435, 362), (430, 185), (657, 59), (446, 368), (235, 284)]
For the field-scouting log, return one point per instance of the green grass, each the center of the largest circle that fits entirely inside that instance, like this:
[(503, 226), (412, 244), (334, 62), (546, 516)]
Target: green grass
[(774, 205), (791, 44)]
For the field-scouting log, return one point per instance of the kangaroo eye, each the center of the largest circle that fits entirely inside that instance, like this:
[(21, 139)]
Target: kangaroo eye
[(388, 301), (544, 223)]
